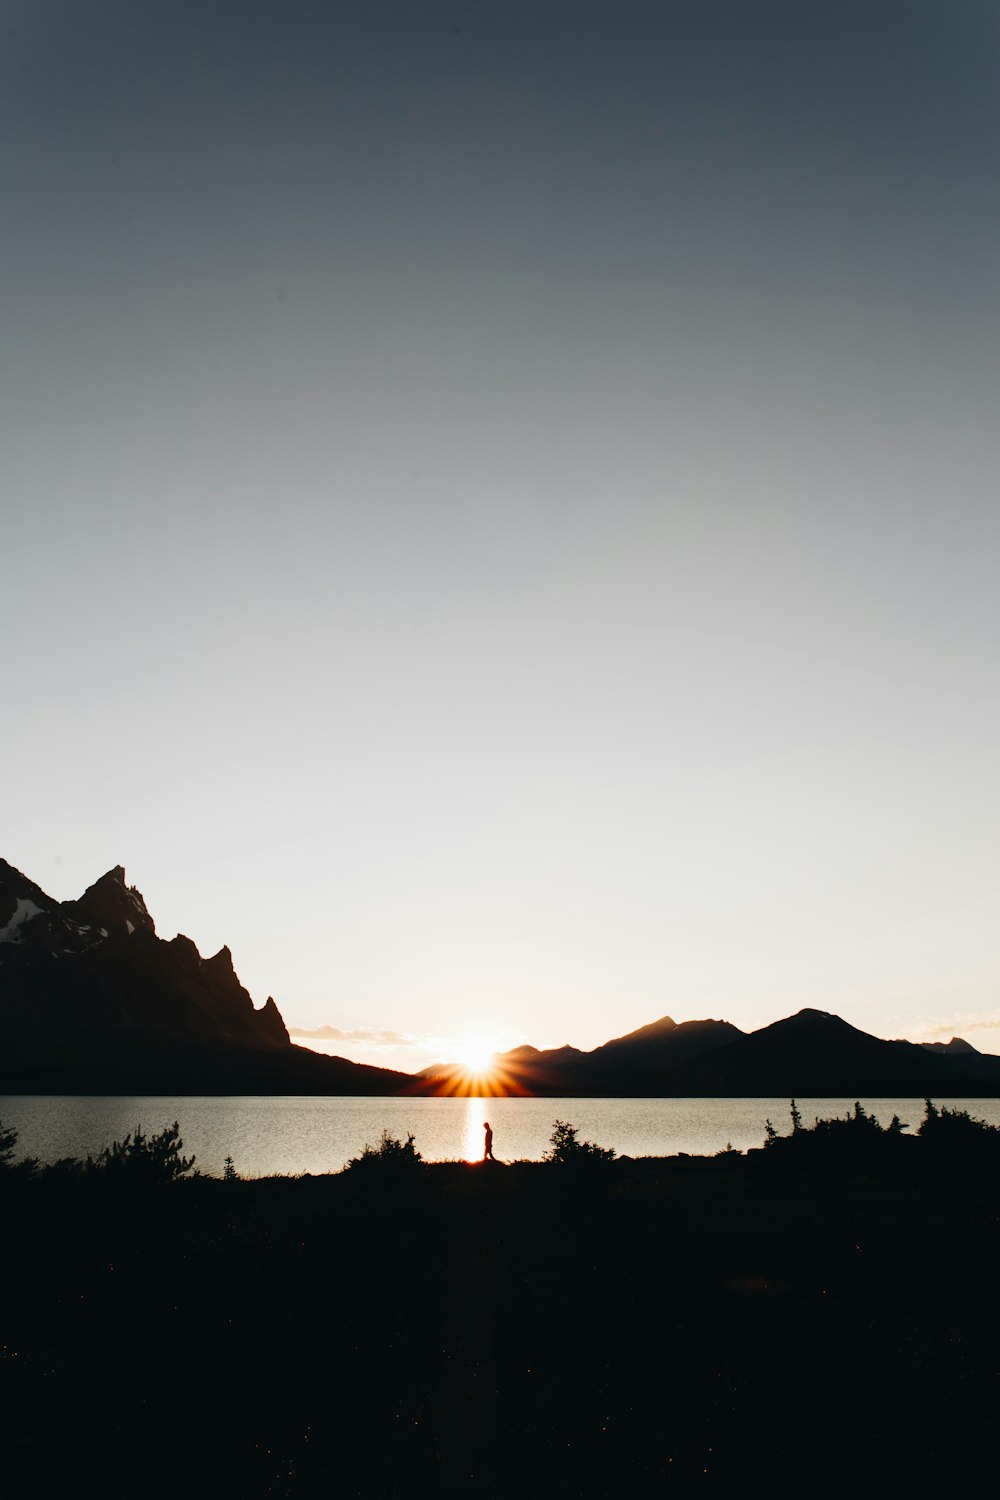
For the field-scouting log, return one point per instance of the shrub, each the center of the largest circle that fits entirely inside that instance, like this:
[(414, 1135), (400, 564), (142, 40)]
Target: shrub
[(948, 1127), (848, 1130), (390, 1155), (771, 1135), (8, 1141), (857, 1126), (849, 1136), (144, 1159), (567, 1150)]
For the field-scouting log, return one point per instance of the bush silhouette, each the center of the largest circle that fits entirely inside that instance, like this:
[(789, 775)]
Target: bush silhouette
[(856, 1131), (943, 1130), (141, 1159), (771, 1133), (567, 1150), (389, 1156), (8, 1140), (854, 1127), (955, 1127)]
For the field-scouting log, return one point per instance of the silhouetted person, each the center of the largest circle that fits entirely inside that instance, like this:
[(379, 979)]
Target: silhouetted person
[(488, 1147)]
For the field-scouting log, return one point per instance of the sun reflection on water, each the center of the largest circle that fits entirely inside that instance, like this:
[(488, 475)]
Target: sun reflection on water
[(472, 1128)]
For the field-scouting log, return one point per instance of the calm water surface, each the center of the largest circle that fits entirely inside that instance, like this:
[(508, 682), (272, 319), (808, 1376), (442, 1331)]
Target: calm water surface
[(266, 1136)]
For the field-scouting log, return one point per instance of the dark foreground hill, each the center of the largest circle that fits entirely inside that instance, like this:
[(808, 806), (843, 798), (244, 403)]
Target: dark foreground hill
[(93, 1001), (768, 1326)]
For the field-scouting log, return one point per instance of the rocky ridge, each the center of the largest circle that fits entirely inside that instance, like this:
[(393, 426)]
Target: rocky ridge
[(91, 998)]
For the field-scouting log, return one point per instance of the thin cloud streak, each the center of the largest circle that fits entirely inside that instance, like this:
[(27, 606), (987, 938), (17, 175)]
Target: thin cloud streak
[(957, 1024), (372, 1036), (384, 1047)]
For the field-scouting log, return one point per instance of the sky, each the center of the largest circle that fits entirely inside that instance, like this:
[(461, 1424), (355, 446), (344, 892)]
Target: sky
[(499, 515)]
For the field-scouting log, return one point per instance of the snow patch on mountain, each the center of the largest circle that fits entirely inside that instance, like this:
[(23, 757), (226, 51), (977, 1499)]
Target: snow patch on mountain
[(23, 912)]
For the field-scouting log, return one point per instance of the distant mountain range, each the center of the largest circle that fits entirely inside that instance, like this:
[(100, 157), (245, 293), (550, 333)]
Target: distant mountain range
[(810, 1055), (92, 1001)]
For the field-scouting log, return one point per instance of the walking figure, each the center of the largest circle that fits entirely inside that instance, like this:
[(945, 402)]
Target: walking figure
[(488, 1148)]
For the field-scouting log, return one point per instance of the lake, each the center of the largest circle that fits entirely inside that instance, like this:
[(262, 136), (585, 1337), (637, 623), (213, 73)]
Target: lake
[(288, 1136)]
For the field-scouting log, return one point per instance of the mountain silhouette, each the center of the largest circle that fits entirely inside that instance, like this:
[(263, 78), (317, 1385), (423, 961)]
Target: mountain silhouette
[(822, 1055), (91, 999), (957, 1045), (641, 1058), (812, 1054)]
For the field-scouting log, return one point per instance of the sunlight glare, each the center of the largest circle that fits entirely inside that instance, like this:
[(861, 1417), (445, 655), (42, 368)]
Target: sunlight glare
[(475, 1067), (472, 1129), (476, 1057)]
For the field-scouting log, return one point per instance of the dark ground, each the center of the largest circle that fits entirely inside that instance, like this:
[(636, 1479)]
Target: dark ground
[(708, 1326)]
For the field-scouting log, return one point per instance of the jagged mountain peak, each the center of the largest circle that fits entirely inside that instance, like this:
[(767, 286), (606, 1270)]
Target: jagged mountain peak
[(20, 899), (113, 905), (271, 1022), (88, 980), (221, 962)]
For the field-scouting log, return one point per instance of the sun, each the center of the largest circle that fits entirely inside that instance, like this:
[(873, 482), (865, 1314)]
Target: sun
[(476, 1057), (474, 1067)]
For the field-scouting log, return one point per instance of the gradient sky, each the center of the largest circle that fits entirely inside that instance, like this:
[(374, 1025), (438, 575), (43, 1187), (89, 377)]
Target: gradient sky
[(499, 502)]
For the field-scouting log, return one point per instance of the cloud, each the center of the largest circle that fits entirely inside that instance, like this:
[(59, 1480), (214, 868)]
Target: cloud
[(938, 1028), (372, 1036)]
